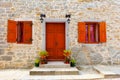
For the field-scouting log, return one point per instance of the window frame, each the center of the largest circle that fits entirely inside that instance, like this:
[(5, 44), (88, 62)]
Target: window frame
[(92, 23)]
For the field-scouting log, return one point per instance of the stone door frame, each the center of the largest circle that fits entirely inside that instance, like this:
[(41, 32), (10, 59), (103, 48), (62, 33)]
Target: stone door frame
[(44, 31)]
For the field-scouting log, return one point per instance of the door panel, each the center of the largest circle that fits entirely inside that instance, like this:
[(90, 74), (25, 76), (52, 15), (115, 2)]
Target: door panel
[(50, 39), (60, 47), (55, 40), (60, 54), (50, 44)]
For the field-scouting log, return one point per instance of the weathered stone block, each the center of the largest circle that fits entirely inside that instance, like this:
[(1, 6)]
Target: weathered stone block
[(2, 65), (2, 29), (82, 58), (85, 0), (1, 51), (10, 53), (5, 4), (1, 39), (80, 0), (6, 58), (96, 58), (3, 46), (2, 42), (2, 10)]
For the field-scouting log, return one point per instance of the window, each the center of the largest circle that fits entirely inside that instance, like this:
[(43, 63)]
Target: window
[(19, 31), (91, 32)]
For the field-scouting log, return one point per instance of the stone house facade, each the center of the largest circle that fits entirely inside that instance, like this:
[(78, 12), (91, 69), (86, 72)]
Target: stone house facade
[(14, 55)]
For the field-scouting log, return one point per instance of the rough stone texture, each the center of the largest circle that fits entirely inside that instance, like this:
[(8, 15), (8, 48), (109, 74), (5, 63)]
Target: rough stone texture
[(23, 55), (6, 58), (1, 51), (10, 53), (5, 4)]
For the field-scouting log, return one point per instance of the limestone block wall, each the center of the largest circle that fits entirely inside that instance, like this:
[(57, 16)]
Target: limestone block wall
[(13, 55)]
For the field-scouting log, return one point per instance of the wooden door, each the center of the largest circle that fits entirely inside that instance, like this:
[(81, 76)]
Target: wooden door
[(55, 40)]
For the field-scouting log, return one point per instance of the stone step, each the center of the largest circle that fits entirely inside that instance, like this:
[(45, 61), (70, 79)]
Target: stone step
[(64, 77), (54, 71), (108, 72), (55, 64)]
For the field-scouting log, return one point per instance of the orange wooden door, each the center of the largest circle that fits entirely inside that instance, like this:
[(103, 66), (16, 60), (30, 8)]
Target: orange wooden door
[(55, 40)]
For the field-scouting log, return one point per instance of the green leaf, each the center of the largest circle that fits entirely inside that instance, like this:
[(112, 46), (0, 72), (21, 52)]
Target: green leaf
[(37, 60)]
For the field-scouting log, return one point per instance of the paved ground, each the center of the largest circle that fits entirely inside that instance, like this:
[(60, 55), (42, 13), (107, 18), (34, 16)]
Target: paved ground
[(86, 73)]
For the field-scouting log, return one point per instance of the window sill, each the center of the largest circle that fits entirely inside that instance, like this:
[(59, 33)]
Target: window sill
[(92, 42)]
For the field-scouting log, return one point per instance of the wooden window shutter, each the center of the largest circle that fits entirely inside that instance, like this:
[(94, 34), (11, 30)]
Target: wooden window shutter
[(27, 32), (12, 31), (102, 34), (81, 32)]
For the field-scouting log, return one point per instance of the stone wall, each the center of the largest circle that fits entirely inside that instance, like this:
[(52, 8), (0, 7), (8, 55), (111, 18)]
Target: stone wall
[(14, 55)]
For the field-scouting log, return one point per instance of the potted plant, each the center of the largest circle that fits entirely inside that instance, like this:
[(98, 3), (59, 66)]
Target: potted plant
[(37, 61), (67, 54), (43, 56), (72, 62)]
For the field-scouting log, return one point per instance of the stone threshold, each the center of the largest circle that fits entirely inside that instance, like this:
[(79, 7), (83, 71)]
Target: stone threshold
[(55, 64)]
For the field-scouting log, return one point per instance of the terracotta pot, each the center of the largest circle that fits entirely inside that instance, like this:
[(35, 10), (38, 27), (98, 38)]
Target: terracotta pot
[(42, 62), (43, 59), (67, 60)]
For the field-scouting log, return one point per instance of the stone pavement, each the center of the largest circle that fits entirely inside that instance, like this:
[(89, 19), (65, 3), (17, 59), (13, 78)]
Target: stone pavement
[(108, 71), (86, 73)]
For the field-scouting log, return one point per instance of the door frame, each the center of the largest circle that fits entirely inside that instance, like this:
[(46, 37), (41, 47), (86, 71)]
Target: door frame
[(55, 21)]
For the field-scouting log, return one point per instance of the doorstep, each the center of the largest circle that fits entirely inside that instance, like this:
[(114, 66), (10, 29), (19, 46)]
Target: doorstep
[(54, 64), (54, 68), (54, 71)]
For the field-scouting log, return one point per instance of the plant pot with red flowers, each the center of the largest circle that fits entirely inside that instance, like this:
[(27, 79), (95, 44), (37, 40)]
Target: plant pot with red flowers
[(67, 54), (43, 57)]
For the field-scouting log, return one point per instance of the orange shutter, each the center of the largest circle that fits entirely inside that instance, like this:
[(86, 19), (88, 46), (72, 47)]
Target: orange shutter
[(27, 32), (12, 31), (102, 33), (81, 32)]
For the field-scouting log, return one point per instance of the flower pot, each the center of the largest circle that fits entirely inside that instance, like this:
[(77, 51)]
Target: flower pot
[(67, 60), (43, 60), (36, 64), (42, 63), (72, 64)]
